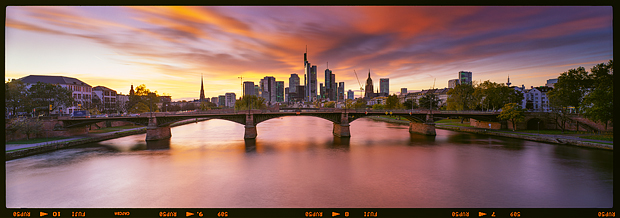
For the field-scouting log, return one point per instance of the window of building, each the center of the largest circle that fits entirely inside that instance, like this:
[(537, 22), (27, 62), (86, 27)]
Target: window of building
[(79, 96), (70, 110), (74, 95)]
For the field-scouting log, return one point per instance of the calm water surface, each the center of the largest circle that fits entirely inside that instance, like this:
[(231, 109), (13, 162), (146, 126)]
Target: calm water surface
[(297, 162)]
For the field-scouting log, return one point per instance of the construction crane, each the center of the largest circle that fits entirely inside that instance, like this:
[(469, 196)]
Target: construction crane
[(358, 82)]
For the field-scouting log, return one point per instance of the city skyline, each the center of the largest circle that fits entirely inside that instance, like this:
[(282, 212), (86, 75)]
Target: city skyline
[(168, 48)]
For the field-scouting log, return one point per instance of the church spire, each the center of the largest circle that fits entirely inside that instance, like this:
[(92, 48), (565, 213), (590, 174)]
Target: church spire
[(202, 90), (508, 83), (131, 92)]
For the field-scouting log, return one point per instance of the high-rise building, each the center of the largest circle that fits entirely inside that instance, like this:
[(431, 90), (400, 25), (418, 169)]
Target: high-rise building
[(341, 91), (286, 97), (310, 78), (334, 87), (465, 77), (384, 86), (293, 82), (350, 94), (231, 98), (368, 90), (279, 91), (215, 100), (202, 90), (403, 91), (248, 88), (221, 99), (329, 85), (322, 91), (452, 83), (268, 89), (257, 91)]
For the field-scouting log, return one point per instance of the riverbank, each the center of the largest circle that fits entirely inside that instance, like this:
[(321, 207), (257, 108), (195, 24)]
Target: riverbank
[(14, 151), (547, 138)]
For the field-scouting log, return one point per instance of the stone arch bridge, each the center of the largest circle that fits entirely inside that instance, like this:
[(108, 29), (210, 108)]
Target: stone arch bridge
[(158, 124)]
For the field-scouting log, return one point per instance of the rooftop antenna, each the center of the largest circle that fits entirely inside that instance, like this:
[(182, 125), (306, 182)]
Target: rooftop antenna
[(328, 65)]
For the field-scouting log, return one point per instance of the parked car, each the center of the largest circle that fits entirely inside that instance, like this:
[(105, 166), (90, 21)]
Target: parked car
[(80, 114), (101, 115)]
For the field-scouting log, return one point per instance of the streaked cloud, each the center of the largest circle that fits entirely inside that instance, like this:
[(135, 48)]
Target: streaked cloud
[(173, 46)]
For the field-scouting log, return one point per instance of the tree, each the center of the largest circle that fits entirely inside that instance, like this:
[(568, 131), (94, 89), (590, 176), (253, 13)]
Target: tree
[(144, 96), (360, 103), (429, 100), (139, 107), (330, 104), (410, 104), (44, 94), (250, 102), (204, 106), (392, 102), (512, 112), (462, 97), (26, 126), (493, 95), (378, 106), (570, 88), (598, 104), (16, 96)]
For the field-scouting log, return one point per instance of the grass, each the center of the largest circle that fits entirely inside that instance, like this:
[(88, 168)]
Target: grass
[(609, 137), (39, 140), (112, 129), (551, 132)]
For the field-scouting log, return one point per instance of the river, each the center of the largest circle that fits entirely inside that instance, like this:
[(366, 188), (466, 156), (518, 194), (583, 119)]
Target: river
[(296, 162)]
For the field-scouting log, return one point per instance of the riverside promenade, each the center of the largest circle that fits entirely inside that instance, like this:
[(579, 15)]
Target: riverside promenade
[(573, 140), (14, 151)]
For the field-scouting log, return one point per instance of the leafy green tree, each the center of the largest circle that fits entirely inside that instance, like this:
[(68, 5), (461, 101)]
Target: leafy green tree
[(430, 100), (378, 106), (392, 102), (598, 104), (461, 98), (250, 102), (570, 88), (28, 126), (144, 96), (16, 96), (512, 112), (349, 104), (330, 104), (493, 95), (204, 106), (139, 107), (410, 104), (360, 103), (44, 94)]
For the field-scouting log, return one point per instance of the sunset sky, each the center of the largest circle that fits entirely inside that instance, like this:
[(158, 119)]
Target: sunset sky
[(168, 48)]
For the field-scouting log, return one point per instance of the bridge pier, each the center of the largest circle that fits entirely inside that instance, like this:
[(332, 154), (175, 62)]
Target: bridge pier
[(422, 128), (342, 129), (153, 132), (250, 128)]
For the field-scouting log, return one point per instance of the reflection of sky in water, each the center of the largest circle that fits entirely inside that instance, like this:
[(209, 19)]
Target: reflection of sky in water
[(297, 162)]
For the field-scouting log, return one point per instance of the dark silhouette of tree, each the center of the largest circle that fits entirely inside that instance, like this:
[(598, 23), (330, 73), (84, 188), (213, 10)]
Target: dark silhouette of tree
[(598, 105), (16, 97), (43, 95)]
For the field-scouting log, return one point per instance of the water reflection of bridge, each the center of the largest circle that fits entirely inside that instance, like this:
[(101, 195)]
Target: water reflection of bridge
[(158, 124)]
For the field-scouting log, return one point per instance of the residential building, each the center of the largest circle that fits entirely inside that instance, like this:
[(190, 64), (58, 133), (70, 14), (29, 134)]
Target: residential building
[(216, 101), (452, 83), (104, 99), (230, 99), (121, 102), (81, 91), (535, 99), (465, 77)]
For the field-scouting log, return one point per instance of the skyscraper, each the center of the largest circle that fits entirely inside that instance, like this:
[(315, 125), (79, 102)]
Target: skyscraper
[(231, 98), (248, 88), (322, 91), (329, 89), (202, 90), (465, 77), (310, 78), (293, 82), (341, 91), (350, 94), (268, 89), (279, 91), (384, 86)]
